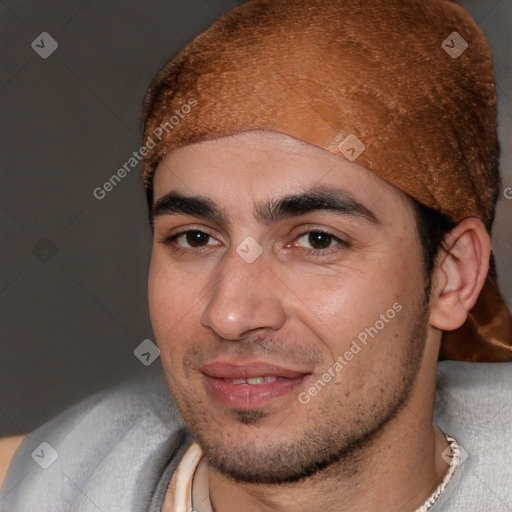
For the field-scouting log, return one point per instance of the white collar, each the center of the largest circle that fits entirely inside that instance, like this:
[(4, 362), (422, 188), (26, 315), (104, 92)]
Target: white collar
[(189, 484)]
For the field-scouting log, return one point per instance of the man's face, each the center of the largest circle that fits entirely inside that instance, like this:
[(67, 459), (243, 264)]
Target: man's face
[(328, 287)]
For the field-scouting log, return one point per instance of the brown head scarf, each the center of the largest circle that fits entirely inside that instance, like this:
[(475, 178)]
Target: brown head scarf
[(404, 87)]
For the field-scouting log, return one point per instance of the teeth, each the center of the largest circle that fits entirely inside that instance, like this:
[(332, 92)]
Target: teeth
[(256, 380), (253, 380)]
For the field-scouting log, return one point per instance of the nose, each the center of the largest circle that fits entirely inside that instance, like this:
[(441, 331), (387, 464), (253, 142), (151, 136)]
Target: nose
[(244, 297)]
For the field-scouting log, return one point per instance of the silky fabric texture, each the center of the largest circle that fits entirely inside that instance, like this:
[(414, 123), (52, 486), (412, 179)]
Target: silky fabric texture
[(324, 70)]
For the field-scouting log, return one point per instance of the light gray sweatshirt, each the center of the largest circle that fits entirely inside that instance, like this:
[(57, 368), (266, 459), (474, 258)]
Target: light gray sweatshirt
[(116, 450)]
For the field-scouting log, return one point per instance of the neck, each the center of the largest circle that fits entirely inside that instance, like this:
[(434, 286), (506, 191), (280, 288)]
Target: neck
[(397, 470)]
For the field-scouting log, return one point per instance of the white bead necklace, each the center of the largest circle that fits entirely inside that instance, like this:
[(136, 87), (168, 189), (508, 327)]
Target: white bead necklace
[(454, 462)]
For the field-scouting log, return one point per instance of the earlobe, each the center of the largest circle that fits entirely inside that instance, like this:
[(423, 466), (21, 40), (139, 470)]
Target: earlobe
[(460, 273)]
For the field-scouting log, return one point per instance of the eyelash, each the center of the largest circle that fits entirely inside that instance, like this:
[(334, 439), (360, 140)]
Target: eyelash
[(170, 242)]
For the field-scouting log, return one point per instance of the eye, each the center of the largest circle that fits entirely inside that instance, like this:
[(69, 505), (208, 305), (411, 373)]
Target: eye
[(190, 239), (320, 240)]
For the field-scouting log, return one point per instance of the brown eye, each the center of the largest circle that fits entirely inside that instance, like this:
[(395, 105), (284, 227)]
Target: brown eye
[(193, 238), (196, 238), (320, 240)]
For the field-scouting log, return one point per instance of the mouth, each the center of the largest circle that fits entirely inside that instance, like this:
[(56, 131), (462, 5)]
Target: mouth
[(255, 380), (249, 385)]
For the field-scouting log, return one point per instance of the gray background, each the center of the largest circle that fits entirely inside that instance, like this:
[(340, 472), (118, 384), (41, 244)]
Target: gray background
[(74, 268)]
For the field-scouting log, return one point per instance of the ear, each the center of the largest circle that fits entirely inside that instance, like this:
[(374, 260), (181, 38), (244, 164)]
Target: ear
[(459, 275)]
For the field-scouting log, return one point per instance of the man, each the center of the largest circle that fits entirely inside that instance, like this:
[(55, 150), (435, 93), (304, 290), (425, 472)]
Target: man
[(322, 180)]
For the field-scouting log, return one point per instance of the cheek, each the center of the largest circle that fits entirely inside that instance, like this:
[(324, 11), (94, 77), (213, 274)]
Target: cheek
[(172, 296), (345, 303), (349, 299)]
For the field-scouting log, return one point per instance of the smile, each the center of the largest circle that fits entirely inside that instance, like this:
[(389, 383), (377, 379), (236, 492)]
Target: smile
[(251, 384)]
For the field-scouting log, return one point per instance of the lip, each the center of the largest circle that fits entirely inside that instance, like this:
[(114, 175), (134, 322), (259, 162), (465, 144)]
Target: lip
[(216, 377), (248, 369)]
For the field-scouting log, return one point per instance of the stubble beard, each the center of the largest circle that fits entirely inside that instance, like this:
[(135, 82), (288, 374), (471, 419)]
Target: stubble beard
[(330, 440)]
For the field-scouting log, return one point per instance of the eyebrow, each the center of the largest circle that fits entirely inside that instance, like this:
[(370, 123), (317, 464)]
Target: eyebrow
[(317, 199)]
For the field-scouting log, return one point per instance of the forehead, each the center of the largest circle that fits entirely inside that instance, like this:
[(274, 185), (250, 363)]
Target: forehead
[(264, 165)]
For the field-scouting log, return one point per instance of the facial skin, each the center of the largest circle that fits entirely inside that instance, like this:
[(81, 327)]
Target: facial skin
[(301, 310)]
